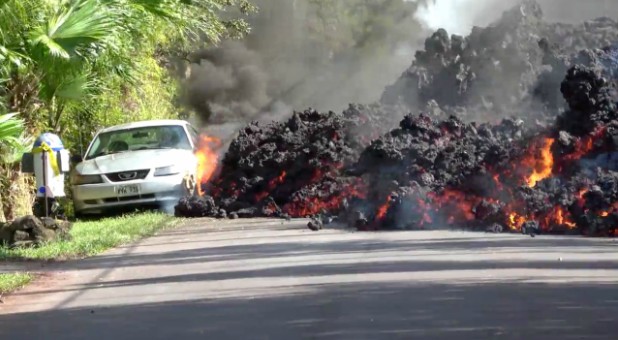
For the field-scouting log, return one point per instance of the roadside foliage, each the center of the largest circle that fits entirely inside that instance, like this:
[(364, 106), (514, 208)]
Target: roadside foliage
[(74, 66)]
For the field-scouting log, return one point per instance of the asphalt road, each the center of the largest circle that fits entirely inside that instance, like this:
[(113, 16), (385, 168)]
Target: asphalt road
[(265, 279)]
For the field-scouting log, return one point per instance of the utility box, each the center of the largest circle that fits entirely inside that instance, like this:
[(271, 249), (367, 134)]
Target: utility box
[(49, 162)]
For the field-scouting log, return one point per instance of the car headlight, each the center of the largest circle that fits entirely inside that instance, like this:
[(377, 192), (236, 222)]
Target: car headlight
[(77, 179), (168, 170)]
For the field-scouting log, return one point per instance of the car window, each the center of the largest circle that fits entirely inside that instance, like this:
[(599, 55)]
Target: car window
[(153, 137), (195, 136)]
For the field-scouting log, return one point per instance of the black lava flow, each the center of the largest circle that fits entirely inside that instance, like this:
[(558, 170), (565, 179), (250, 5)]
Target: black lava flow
[(452, 142)]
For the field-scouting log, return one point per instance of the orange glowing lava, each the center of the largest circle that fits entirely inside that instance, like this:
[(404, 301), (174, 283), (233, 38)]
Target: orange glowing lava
[(277, 180), (516, 221), (585, 145), (308, 206), (458, 204), (207, 160), (496, 179), (271, 186), (542, 165), (559, 216), (383, 209), (611, 210)]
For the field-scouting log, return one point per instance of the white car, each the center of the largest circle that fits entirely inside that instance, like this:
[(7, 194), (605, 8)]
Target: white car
[(137, 164)]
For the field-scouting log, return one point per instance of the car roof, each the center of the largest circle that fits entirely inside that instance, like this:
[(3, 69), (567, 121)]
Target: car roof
[(146, 123)]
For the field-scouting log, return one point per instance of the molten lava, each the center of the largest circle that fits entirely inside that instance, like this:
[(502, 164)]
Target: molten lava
[(542, 164), (383, 209), (207, 160), (272, 185), (585, 145), (308, 206), (276, 181), (458, 204), (516, 221), (559, 217)]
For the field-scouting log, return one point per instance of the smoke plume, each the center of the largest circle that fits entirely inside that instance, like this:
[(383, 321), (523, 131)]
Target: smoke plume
[(303, 54), (227, 81), (323, 55)]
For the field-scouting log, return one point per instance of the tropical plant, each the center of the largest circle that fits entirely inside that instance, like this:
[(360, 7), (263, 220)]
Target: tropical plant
[(70, 66), (11, 129), (13, 144), (59, 51)]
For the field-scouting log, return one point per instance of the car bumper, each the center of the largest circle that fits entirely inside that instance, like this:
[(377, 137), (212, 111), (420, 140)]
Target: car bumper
[(97, 198)]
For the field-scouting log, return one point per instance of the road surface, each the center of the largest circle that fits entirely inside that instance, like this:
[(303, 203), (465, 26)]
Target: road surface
[(268, 279)]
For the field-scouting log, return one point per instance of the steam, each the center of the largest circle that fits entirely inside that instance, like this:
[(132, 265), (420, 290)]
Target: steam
[(280, 66), (283, 65), (459, 16)]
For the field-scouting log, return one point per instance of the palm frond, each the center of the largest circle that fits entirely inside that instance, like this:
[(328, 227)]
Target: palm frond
[(158, 8), (13, 142), (14, 151), (75, 24), (10, 128), (74, 88)]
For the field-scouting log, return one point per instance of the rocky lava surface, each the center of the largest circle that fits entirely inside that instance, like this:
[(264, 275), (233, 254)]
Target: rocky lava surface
[(512, 128)]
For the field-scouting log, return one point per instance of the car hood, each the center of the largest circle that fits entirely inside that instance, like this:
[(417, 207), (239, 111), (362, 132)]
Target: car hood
[(136, 160)]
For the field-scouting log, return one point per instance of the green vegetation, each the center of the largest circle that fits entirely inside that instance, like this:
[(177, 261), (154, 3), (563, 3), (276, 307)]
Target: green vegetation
[(93, 237), (12, 145), (74, 66), (12, 282)]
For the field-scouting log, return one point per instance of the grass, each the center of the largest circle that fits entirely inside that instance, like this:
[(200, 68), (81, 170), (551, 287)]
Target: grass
[(93, 237), (12, 282)]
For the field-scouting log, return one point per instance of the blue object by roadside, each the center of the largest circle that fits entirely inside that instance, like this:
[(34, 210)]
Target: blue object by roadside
[(50, 139)]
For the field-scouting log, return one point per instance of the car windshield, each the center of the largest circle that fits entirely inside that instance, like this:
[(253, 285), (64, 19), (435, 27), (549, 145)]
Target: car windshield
[(144, 138)]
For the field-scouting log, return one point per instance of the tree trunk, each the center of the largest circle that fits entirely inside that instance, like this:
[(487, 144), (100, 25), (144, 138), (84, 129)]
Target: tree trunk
[(17, 194), (2, 217)]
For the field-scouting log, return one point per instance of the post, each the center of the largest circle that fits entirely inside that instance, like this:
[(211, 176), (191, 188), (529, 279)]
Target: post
[(45, 199)]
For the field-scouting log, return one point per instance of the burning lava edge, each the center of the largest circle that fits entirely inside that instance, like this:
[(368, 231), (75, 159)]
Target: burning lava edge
[(434, 170)]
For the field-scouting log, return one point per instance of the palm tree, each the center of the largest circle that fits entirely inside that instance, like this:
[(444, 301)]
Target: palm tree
[(57, 58), (58, 52)]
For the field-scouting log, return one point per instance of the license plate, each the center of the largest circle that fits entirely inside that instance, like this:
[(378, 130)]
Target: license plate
[(127, 190)]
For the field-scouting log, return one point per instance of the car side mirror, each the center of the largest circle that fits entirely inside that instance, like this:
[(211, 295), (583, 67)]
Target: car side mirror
[(76, 159)]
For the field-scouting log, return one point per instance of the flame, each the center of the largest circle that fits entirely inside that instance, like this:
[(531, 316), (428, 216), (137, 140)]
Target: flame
[(559, 216), (383, 209), (542, 167), (207, 160), (516, 220)]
